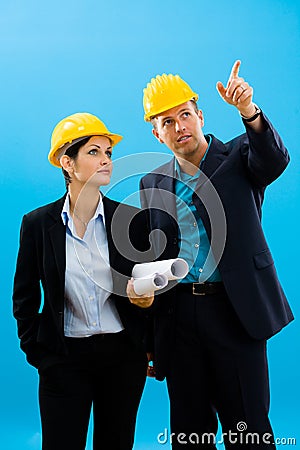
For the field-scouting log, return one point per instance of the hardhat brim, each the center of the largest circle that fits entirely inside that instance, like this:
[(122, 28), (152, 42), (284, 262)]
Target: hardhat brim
[(55, 154), (148, 117)]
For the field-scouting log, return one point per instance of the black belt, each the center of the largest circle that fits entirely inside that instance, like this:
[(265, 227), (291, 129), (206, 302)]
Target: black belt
[(201, 288)]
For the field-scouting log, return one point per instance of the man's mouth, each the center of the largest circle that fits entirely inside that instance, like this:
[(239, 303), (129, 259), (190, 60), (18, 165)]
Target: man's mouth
[(184, 138)]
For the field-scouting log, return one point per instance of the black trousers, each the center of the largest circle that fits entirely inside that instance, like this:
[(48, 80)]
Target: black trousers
[(217, 370), (105, 372)]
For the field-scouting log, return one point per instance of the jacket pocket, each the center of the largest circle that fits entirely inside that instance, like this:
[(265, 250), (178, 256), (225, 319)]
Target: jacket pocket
[(263, 259)]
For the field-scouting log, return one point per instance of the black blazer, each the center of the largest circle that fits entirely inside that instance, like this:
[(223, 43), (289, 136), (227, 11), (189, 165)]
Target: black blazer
[(42, 260), (229, 196)]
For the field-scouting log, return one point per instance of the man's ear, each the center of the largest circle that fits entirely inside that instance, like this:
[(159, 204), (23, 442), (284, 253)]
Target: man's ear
[(201, 117), (67, 163), (156, 134)]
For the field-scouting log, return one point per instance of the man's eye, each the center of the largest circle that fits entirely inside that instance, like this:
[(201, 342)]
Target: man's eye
[(186, 114), (167, 122)]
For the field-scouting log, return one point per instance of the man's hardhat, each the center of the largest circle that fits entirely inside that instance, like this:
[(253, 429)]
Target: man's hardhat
[(73, 128), (164, 92)]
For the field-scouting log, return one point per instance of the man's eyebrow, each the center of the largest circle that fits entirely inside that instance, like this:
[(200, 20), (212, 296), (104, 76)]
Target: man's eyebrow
[(179, 112), (165, 117), (183, 110)]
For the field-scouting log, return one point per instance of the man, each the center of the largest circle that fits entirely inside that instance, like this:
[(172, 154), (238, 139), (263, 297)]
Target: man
[(210, 330)]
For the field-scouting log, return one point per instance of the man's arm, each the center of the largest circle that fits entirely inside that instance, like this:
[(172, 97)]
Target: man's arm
[(266, 156)]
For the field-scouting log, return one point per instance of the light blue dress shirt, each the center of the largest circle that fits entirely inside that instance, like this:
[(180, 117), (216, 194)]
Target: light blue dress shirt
[(193, 241), (88, 309)]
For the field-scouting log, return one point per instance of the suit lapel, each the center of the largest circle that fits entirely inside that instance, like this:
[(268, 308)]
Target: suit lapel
[(109, 209), (167, 183), (210, 168), (215, 157), (57, 234)]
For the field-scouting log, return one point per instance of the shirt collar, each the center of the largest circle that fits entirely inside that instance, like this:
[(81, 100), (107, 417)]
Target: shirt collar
[(180, 175), (66, 216)]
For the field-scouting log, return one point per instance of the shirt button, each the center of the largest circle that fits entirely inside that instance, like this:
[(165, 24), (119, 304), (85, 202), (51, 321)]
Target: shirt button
[(200, 270), (194, 224), (196, 245), (94, 324), (91, 297)]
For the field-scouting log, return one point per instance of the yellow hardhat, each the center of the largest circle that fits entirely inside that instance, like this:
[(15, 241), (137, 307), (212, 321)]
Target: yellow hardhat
[(164, 92), (73, 128)]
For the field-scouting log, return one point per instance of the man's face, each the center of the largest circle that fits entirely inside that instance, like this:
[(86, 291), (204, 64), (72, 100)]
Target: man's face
[(180, 129)]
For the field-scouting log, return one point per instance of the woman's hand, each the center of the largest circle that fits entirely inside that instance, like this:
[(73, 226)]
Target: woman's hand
[(143, 301)]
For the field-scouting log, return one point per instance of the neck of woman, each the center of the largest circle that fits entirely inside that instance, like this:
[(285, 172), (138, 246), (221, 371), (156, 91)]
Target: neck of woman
[(83, 201)]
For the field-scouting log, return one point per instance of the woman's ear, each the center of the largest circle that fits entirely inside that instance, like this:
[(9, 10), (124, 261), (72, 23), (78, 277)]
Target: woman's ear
[(66, 163)]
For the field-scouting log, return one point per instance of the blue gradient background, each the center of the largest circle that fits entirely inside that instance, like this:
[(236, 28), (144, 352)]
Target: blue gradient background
[(66, 56)]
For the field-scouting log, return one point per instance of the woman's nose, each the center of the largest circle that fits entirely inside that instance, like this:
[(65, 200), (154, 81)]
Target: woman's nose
[(105, 160)]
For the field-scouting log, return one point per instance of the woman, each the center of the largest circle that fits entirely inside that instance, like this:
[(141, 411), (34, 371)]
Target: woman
[(87, 340)]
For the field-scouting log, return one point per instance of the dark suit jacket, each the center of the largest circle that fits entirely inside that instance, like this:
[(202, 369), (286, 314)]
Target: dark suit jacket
[(42, 260), (229, 199)]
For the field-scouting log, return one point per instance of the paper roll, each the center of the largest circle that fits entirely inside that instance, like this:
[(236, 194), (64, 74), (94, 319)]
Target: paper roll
[(173, 269), (150, 284)]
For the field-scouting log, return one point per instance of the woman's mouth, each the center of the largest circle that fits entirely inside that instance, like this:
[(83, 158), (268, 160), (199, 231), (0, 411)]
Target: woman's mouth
[(104, 172)]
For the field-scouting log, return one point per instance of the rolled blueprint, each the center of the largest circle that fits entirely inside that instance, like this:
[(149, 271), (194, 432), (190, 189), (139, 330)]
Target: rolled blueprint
[(149, 284), (173, 269)]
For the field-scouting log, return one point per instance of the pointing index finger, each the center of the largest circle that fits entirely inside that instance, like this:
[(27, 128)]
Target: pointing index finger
[(235, 70)]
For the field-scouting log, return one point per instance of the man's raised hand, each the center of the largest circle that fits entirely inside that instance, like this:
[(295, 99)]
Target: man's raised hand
[(237, 92)]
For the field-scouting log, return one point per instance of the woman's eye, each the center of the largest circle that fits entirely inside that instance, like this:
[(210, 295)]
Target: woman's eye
[(108, 153), (93, 152)]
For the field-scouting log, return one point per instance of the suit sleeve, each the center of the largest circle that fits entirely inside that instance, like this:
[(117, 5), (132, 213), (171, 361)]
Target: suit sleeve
[(265, 155), (143, 199), (27, 294)]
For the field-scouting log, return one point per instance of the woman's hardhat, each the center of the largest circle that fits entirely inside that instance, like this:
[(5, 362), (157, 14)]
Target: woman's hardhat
[(76, 127)]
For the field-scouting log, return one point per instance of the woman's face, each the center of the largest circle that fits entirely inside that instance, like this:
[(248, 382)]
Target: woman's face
[(93, 163)]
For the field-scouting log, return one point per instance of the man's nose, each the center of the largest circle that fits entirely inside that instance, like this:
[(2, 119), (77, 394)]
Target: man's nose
[(179, 126)]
